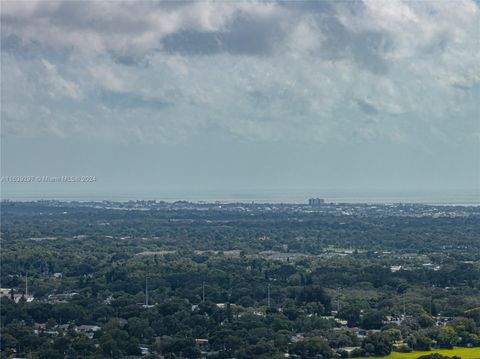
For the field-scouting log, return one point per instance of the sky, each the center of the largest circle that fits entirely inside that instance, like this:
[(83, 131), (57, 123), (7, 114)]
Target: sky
[(241, 95)]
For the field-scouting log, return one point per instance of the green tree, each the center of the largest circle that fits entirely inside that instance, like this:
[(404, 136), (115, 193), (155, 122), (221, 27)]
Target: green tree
[(447, 337), (351, 314), (377, 344)]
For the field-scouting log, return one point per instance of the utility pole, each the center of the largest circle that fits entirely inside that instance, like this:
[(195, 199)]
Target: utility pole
[(338, 300), (268, 296), (404, 307), (146, 291), (229, 288)]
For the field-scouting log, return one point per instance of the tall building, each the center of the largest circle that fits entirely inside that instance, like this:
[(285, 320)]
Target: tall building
[(316, 201)]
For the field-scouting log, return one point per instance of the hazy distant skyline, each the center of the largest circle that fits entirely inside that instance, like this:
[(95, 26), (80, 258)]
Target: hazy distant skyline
[(165, 95)]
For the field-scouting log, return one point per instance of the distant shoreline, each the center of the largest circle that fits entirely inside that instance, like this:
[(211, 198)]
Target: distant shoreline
[(328, 201), (450, 197)]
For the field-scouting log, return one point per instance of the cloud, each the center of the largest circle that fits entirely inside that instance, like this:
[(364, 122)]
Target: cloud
[(262, 71), (128, 30), (58, 86), (122, 100), (246, 34)]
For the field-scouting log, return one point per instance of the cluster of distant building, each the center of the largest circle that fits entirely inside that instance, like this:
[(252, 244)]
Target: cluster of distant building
[(16, 297), (313, 204)]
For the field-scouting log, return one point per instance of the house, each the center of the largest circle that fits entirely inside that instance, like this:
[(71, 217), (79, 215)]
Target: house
[(341, 322), (109, 300), (5, 292), (9, 293), (297, 338), (201, 342), (60, 298), (393, 320), (28, 298), (144, 350), (359, 332), (394, 269), (88, 330), (62, 327), (232, 253)]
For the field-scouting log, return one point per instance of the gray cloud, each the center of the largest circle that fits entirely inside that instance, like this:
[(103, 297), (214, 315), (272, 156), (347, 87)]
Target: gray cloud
[(131, 100), (194, 42), (308, 6), (367, 48), (134, 30), (265, 71), (367, 108), (245, 35)]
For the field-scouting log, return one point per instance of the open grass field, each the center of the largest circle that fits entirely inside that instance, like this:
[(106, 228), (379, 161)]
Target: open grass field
[(464, 353)]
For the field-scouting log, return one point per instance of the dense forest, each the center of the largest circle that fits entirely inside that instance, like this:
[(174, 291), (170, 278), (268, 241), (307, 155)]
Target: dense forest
[(186, 281)]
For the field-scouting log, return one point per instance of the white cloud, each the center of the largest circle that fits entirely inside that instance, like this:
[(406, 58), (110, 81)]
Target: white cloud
[(60, 87), (377, 72)]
